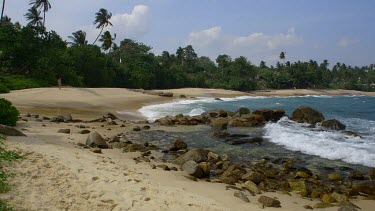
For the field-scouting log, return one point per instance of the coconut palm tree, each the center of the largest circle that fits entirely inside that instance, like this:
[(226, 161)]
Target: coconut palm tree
[(78, 38), (33, 16), (42, 4), (282, 56), (102, 19), (2, 12), (107, 40)]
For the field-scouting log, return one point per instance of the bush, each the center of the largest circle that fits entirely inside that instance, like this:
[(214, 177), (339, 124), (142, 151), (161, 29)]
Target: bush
[(3, 88), (8, 113)]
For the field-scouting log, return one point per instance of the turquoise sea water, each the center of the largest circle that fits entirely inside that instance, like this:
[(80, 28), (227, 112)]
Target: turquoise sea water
[(289, 138)]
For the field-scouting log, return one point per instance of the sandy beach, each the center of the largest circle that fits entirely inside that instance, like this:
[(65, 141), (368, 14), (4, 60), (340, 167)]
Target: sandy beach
[(58, 174)]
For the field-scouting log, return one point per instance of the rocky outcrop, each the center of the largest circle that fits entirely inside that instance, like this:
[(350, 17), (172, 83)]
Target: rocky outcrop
[(9, 131), (94, 139), (269, 114), (197, 155), (305, 114), (333, 124), (232, 174)]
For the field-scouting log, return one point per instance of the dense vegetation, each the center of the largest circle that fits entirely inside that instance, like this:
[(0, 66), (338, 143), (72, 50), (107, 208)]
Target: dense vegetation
[(8, 113), (30, 52)]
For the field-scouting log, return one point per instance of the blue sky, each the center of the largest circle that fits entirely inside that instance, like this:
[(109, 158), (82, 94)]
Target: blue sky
[(337, 30)]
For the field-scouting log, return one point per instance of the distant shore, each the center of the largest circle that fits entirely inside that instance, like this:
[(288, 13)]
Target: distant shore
[(88, 103)]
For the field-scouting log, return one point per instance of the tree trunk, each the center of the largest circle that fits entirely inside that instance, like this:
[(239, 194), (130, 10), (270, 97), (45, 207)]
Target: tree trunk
[(44, 18), (98, 35), (2, 12)]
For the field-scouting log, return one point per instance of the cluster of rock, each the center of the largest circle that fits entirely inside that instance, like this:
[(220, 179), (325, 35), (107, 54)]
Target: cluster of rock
[(265, 176)]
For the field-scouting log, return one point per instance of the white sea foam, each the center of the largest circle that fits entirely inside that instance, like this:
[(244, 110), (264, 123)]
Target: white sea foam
[(326, 144)]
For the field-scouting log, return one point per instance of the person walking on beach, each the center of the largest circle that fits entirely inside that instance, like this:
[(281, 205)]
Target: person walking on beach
[(59, 83)]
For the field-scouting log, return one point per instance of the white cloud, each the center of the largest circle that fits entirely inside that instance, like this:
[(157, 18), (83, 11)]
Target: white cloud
[(258, 45), (345, 42), (133, 25)]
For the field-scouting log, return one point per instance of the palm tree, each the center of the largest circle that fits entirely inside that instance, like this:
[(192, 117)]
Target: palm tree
[(33, 16), (102, 19), (282, 56), (42, 4), (107, 40), (78, 38), (2, 12)]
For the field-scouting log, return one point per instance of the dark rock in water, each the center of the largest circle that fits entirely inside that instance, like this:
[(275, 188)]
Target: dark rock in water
[(367, 187), (193, 169), (351, 133), (356, 176), (197, 155), (146, 127), (178, 145), (94, 139), (277, 114), (9, 131), (333, 124), (241, 195), (244, 141), (242, 111), (219, 123), (220, 134), (166, 121), (232, 174), (67, 131), (266, 113), (218, 99), (215, 114), (306, 114), (269, 202)]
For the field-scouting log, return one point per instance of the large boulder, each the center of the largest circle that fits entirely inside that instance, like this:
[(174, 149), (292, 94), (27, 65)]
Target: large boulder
[(242, 111), (252, 187), (197, 155), (333, 124), (178, 145), (305, 114), (254, 120), (266, 113), (219, 123), (9, 131), (166, 121), (252, 176), (94, 139), (277, 114), (193, 169)]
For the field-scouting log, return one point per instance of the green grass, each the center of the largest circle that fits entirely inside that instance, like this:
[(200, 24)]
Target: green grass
[(16, 82), (5, 156)]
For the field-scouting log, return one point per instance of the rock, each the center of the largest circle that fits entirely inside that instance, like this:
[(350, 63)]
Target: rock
[(356, 176), (334, 177), (96, 150), (242, 111), (134, 148), (322, 205), (327, 198), (193, 169), (212, 156), (339, 197), (182, 96), (305, 114), (333, 124), (166, 94), (351, 133), (178, 145), (277, 114), (197, 155), (136, 128), (371, 174), (206, 168), (191, 178), (266, 113), (84, 132), (298, 185), (346, 208), (10, 131), (166, 121), (347, 204), (317, 193), (253, 177), (114, 139), (215, 114), (118, 145), (94, 139), (111, 116), (232, 174), (164, 167), (301, 174), (269, 202), (34, 116), (367, 187), (219, 123), (254, 120), (146, 127), (67, 131), (242, 196), (308, 207), (244, 141), (218, 99), (252, 187), (65, 118)]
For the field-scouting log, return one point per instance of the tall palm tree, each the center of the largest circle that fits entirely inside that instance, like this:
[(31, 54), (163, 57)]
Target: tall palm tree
[(33, 16), (41, 4), (102, 19), (107, 40), (2, 12), (78, 38), (282, 56)]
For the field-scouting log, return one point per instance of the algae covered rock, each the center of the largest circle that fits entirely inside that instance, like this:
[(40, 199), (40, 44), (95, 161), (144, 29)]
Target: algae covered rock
[(305, 114), (333, 124)]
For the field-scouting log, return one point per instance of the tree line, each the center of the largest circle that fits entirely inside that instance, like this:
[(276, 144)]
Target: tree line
[(34, 52)]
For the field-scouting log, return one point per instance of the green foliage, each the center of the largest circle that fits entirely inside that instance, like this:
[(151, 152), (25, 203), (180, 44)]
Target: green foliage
[(16, 82), (3, 88), (8, 113)]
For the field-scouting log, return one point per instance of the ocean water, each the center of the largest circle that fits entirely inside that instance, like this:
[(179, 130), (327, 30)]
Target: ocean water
[(290, 139)]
